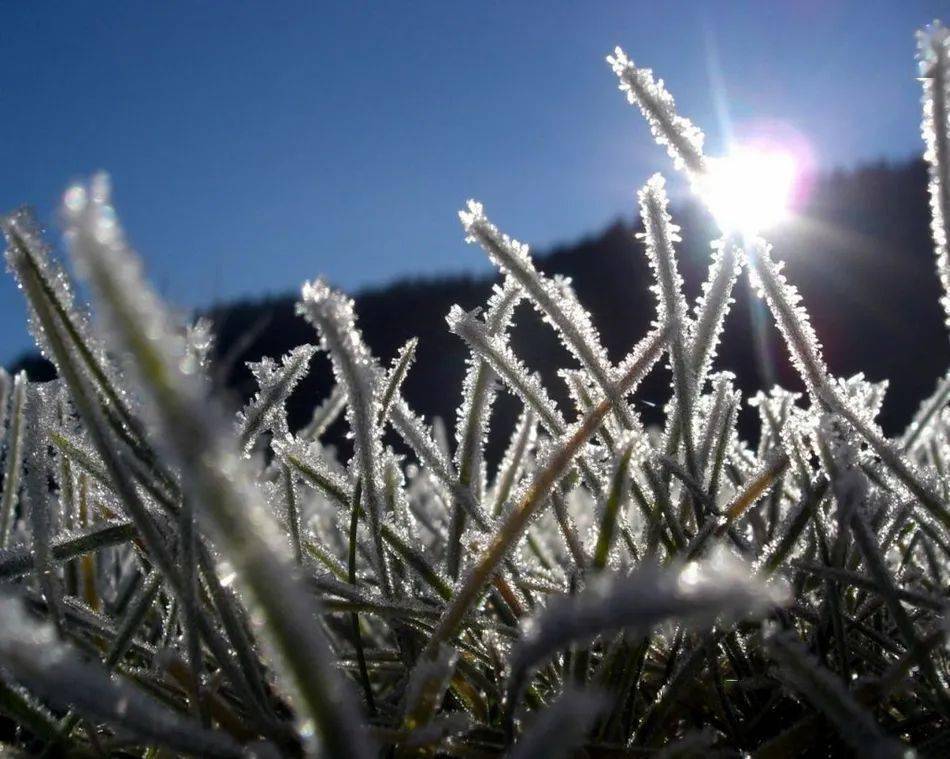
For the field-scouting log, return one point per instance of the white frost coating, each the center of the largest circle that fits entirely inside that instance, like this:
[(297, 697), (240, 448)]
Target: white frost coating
[(397, 501), (774, 409), (97, 244), (933, 54), (513, 463), (658, 236), (715, 425), (683, 139), (396, 375), (579, 388), (553, 298), (325, 414), (479, 389), (645, 354), (38, 504), (918, 430), (861, 394), (265, 411), (420, 437), (784, 300), (27, 255), (311, 461), (712, 306), (37, 255)]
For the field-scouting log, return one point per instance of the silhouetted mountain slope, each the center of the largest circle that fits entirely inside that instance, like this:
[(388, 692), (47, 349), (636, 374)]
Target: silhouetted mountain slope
[(861, 255)]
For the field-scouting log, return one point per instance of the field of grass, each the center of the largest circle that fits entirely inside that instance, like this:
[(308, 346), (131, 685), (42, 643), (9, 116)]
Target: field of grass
[(180, 581)]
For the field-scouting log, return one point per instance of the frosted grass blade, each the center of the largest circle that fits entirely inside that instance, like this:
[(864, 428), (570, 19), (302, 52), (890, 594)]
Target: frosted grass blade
[(266, 410), (13, 458), (356, 370), (512, 529), (933, 54), (695, 594), (214, 475), (34, 655), (683, 140)]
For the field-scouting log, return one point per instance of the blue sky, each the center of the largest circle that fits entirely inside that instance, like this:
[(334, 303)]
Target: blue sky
[(256, 144)]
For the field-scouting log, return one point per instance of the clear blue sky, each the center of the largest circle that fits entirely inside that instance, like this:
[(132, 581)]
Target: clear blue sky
[(256, 144)]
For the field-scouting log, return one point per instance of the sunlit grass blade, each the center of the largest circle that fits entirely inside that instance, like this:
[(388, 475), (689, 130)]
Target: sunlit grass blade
[(332, 315), (13, 468), (512, 529), (395, 377), (324, 415), (933, 55), (509, 470), (927, 412), (682, 139), (478, 394), (555, 300), (266, 409), (659, 235), (213, 473)]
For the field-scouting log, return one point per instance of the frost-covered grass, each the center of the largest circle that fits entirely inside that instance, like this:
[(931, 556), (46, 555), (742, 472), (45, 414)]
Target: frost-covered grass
[(179, 581)]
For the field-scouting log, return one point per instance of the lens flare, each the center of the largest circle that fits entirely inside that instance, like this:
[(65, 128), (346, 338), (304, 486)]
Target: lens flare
[(751, 189)]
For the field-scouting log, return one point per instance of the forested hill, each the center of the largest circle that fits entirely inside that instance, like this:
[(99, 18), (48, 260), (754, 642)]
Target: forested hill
[(861, 255)]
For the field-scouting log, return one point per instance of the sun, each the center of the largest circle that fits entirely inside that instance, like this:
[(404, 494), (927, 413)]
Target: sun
[(750, 190)]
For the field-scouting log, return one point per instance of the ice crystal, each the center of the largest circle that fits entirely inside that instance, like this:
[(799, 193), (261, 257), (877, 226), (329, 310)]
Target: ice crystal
[(199, 341), (325, 414), (659, 235)]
